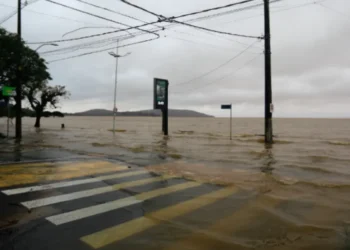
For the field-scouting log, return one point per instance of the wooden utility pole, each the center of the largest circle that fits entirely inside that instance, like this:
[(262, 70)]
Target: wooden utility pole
[(268, 88), (18, 83)]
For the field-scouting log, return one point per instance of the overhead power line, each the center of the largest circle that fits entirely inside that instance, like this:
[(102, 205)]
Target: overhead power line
[(230, 12), (90, 27), (192, 13), (45, 14), (276, 11), (99, 51), (218, 67), (139, 7), (334, 10), (172, 19), (97, 16), (15, 12), (109, 10), (216, 31), (221, 78), (138, 26), (113, 11)]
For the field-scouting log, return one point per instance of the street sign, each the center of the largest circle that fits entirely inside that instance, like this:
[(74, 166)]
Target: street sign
[(160, 100), (160, 93), (226, 106), (8, 91)]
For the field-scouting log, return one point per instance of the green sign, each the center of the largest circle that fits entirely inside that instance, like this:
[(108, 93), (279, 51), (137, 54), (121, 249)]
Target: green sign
[(161, 85), (8, 91), (160, 93)]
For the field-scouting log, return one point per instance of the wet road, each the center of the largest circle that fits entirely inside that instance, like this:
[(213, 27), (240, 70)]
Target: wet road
[(96, 204)]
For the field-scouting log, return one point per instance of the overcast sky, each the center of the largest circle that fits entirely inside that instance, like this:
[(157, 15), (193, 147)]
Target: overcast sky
[(310, 56)]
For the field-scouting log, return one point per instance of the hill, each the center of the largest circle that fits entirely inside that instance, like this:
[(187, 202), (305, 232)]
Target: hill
[(172, 113)]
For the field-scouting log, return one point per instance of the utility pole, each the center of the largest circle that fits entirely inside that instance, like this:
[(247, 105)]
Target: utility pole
[(268, 90), (115, 86), (116, 56), (19, 83)]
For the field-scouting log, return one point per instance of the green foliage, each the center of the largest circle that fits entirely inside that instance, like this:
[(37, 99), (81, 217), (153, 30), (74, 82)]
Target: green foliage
[(17, 59), (19, 62)]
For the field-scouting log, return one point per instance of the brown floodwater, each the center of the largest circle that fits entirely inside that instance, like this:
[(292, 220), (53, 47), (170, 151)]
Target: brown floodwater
[(299, 188)]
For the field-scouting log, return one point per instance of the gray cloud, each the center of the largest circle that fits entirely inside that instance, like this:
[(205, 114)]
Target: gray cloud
[(310, 58)]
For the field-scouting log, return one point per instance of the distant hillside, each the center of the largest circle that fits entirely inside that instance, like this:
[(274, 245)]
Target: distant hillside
[(172, 113)]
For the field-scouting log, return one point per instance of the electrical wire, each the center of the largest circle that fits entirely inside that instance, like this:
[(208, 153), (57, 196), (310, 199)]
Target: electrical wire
[(216, 8), (272, 12), (100, 17), (162, 18), (73, 48), (112, 11), (202, 43), (230, 12), (99, 51), (15, 12), (140, 8), (87, 13), (221, 78), (216, 31), (218, 67), (90, 27), (334, 10), (138, 26), (44, 14)]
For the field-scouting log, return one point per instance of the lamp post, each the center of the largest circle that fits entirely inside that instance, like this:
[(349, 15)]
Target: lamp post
[(116, 56), (46, 44)]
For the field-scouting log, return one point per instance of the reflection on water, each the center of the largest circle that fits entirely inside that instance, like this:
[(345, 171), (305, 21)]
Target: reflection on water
[(301, 184), (269, 160)]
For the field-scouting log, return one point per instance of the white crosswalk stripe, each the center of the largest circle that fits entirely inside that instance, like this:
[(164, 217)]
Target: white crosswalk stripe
[(131, 227), (109, 206), (70, 183), (88, 193)]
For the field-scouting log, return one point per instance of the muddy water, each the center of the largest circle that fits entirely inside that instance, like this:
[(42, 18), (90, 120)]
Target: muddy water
[(300, 185)]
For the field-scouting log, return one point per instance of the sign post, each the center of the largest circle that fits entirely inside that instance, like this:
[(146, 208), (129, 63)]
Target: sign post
[(228, 106), (8, 92), (160, 101)]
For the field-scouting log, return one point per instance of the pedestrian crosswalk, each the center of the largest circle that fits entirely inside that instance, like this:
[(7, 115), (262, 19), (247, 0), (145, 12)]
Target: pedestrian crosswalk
[(138, 225), (24, 174), (103, 208), (70, 183), (150, 189)]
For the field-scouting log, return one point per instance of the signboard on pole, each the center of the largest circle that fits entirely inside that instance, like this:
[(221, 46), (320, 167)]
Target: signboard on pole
[(228, 106), (8, 91), (160, 100), (160, 93)]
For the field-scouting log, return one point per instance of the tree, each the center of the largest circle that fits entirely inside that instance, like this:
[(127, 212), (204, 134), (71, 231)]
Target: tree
[(40, 95), (32, 67)]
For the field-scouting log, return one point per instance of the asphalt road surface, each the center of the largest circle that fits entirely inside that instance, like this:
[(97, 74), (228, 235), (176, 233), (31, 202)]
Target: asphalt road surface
[(98, 204), (105, 205)]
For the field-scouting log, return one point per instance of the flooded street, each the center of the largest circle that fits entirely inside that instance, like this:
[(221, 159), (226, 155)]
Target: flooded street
[(291, 195)]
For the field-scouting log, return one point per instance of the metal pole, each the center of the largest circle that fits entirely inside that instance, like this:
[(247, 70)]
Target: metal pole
[(19, 84), (231, 122), (268, 88), (8, 118), (115, 87), (165, 111)]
